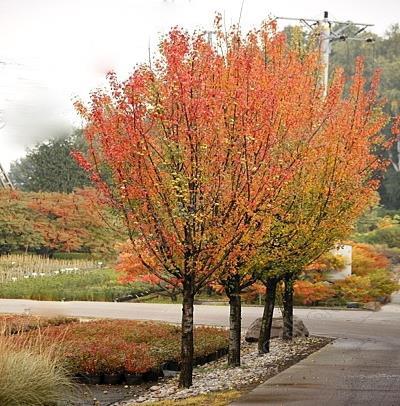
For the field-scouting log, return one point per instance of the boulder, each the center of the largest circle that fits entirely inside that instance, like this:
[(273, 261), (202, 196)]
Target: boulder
[(253, 332), (374, 306)]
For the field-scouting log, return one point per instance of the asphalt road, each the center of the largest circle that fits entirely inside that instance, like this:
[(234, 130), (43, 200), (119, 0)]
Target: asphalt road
[(362, 367), (324, 322)]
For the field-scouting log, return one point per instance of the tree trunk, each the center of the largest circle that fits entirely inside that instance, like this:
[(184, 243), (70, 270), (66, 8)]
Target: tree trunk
[(235, 329), (288, 308), (266, 323), (185, 377)]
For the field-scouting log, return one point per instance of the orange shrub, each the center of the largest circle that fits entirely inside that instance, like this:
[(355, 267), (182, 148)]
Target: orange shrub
[(367, 259), (309, 293)]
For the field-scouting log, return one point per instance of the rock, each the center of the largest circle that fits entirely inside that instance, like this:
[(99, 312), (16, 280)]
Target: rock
[(253, 332), (374, 306), (168, 373), (353, 305)]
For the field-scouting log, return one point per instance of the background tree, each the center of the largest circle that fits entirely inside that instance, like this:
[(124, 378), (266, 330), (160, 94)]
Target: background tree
[(50, 222), (17, 225), (326, 198), (381, 52), (73, 222), (49, 167), (376, 286)]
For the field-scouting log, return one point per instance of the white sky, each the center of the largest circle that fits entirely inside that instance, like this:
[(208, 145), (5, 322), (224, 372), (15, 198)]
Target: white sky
[(55, 50)]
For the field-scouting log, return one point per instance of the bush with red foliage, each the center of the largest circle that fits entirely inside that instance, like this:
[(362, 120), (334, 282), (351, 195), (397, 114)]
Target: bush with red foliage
[(125, 346)]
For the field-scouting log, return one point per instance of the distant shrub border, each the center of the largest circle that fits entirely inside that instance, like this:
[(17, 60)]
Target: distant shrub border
[(16, 323), (117, 351)]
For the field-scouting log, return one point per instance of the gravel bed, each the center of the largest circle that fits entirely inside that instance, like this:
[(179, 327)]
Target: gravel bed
[(216, 376)]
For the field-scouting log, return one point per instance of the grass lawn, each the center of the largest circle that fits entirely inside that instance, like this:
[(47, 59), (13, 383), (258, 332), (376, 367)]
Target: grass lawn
[(95, 285)]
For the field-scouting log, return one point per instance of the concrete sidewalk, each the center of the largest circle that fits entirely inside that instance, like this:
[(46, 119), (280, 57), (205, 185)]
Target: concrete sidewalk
[(348, 372)]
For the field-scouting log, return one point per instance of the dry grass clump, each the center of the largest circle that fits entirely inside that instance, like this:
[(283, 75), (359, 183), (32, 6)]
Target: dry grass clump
[(215, 399), (31, 374)]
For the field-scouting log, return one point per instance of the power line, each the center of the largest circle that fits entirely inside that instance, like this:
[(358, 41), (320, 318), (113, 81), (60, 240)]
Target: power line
[(342, 31)]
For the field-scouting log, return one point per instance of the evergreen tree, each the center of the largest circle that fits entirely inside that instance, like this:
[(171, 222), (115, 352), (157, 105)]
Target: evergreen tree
[(49, 167)]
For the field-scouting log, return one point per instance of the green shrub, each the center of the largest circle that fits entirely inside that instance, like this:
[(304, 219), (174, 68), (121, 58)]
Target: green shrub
[(389, 236), (31, 375), (73, 255), (374, 286)]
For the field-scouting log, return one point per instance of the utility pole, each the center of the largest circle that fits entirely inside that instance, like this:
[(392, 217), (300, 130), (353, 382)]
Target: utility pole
[(328, 34), (5, 182)]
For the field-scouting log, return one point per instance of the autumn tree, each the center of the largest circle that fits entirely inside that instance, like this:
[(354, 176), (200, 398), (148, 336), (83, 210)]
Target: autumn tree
[(126, 266), (73, 222), (330, 192), (301, 111), (17, 226), (49, 222), (194, 151)]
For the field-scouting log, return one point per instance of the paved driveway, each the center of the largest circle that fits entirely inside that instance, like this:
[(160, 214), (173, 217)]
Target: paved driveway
[(361, 368)]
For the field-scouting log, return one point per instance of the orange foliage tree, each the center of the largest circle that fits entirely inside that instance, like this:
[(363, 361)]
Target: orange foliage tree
[(194, 151), (49, 222), (331, 191), (302, 111)]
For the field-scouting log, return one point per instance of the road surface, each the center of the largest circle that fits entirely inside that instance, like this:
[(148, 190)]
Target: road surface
[(325, 322)]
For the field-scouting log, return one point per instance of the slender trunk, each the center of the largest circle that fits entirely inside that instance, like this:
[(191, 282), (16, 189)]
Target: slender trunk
[(266, 323), (288, 308), (185, 377), (235, 329)]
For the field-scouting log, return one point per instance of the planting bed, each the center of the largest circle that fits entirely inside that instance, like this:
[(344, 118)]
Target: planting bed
[(119, 351), (14, 324)]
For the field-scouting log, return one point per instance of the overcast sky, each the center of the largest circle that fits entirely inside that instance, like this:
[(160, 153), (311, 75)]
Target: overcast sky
[(54, 50)]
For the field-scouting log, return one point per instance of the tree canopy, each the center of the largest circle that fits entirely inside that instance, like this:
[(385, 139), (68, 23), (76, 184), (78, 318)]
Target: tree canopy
[(383, 53), (49, 167)]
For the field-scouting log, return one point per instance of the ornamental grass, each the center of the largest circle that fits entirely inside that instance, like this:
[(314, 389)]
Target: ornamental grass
[(31, 374)]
